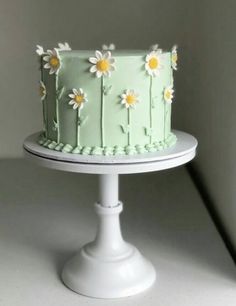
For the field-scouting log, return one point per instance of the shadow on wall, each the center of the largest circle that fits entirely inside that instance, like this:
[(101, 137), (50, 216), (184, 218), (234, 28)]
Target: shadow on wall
[(206, 105)]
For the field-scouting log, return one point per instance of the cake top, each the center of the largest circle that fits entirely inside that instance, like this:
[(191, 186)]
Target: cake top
[(104, 61)]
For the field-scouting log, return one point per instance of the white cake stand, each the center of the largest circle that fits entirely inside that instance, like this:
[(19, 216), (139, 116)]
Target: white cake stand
[(109, 267)]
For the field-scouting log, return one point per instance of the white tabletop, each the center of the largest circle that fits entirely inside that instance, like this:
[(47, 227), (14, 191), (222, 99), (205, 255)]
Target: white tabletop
[(182, 152)]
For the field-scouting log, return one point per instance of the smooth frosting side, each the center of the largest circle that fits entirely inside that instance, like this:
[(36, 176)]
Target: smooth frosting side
[(108, 150), (107, 124)]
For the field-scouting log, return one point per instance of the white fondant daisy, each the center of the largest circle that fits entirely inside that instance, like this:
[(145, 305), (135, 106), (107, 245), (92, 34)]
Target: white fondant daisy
[(40, 51), (103, 64), (153, 62), (42, 90), (64, 47), (129, 98), (154, 47), (78, 98), (52, 60), (174, 57), (168, 94), (110, 47)]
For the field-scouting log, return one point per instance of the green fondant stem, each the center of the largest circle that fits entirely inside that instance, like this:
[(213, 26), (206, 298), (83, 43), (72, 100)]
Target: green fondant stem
[(44, 104), (78, 126), (129, 138), (57, 120), (44, 117), (102, 113), (164, 120), (150, 107), (57, 111)]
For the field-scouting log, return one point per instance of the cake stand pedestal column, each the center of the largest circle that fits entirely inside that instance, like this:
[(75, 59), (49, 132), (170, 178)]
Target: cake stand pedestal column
[(109, 267)]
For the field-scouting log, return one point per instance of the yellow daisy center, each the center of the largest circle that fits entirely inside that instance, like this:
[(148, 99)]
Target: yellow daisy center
[(174, 57), (103, 65), (79, 99), (168, 94), (130, 99), (153, 63), (54, 61)]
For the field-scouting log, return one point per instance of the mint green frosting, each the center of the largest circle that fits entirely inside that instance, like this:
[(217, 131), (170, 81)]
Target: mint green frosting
[(104, 126), (116, 150)]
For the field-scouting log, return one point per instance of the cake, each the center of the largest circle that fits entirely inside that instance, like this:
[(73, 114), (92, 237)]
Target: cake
[(106, 102)]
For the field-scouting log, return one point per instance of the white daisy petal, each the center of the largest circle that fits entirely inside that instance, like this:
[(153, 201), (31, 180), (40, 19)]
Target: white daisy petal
[(55, 52), (98, 73), (93, 60), (104, 47), (39, 50), (98, 55), (47, 66), (112, 47), (75, 106), (71, 102), (46, 58), (75, 91), (154, 47), (107, 55), (64, 47), (148, 57), (93, 69), (71, 96), (155, 73)]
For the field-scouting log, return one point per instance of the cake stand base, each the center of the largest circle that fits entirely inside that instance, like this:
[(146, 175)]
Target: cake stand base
[(109, 267), (122, 277)]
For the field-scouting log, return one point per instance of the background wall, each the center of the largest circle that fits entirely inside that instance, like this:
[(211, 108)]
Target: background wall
[(205, 89), (208, 93)]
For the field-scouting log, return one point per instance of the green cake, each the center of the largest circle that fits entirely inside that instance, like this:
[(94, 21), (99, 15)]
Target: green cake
[(107, 102)]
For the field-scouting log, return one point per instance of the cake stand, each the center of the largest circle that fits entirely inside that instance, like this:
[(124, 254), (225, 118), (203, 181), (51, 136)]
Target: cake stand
[(109, 267)]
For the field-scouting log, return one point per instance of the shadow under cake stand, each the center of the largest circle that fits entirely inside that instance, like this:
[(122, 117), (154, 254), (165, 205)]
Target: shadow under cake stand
[(109, 267)]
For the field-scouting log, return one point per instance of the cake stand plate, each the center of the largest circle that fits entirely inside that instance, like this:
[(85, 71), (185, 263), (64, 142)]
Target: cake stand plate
[(109, 267)]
